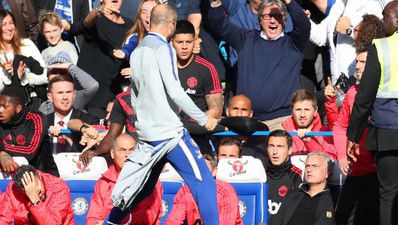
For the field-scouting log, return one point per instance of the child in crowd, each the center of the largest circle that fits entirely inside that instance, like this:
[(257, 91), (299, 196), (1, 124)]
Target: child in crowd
[(51, 28)]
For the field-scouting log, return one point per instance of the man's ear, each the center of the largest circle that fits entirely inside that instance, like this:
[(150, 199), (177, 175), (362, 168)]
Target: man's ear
[(18, 108), (112, 153), (290, 150), (50, 96), (214, 172)]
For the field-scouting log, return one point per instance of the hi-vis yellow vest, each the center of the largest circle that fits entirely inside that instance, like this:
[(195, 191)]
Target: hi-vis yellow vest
[(387, 52)]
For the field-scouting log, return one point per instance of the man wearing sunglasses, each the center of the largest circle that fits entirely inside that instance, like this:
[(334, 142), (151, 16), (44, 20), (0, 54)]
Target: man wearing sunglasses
[(269, 60)]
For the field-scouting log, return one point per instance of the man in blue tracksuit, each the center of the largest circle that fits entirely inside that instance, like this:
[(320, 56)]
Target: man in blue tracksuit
[(157, 97)]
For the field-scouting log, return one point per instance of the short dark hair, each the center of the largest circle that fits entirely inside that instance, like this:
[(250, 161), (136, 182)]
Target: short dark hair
[(184, 27), (282, 133), (60, 78), (302, 95), (15, 95), (58, 71), (18, 175), (228, 141), (211, 159)]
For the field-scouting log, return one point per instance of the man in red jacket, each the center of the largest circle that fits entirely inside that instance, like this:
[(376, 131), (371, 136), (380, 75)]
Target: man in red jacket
[(305, 119), (36, 198), (148, 212), (358, 200), (185, 208)]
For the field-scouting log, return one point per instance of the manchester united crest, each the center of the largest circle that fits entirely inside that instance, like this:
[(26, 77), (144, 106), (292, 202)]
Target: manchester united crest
[(192, 82)]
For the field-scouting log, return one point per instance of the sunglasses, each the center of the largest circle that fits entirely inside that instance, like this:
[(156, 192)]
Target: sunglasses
[(277, 16)]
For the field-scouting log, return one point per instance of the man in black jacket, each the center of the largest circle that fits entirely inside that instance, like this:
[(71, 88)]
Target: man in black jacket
[(377, 95), (23, 133), (312, 203), (282, 176)]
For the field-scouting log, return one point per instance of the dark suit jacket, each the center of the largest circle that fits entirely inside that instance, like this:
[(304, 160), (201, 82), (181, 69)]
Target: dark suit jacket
[(76, 114), (325, 209)]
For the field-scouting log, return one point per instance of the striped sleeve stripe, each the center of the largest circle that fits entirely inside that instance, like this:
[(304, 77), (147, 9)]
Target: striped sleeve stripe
[(213, 72), (35, 141), (191, 159), (294, 169)]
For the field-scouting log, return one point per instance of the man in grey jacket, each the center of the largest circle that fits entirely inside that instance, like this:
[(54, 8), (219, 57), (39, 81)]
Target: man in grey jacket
[(156, 98)]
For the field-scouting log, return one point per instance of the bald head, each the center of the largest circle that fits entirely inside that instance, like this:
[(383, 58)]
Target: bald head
[(122, 147), (162, 14), (390, 18), (122, 138), (240, 105)]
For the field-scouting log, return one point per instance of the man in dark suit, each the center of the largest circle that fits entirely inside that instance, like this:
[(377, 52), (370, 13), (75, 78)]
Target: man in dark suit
[(312, 203), (377, 96), (61, 92)]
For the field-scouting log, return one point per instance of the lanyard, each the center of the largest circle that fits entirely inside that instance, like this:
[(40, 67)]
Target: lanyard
[(170, 53)]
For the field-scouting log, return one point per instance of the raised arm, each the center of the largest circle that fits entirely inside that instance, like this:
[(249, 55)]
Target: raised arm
[(87, 82), (232, 34), (301, 24)]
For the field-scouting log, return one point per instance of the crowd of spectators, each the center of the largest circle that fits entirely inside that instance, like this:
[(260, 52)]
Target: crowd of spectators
[(66, 65)]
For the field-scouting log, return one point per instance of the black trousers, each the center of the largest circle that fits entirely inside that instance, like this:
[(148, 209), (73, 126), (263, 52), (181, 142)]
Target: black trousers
[(358, 203), (387, 173)]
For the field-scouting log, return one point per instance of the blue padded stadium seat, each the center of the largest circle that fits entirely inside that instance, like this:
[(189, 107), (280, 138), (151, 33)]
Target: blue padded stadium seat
[(170, 189), (81, 180), (171, 183), (81, 191), (247, 176), (252, 201)]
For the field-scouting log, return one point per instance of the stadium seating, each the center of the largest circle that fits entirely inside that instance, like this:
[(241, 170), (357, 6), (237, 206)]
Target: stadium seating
[(80, 179), (171, 183), (247, 176)]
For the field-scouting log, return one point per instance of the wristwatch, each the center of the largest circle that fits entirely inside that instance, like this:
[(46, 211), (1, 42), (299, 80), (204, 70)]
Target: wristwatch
[(36, 202), (349, 30)]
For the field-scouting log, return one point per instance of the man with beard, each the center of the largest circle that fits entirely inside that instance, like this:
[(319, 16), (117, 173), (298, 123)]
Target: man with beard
[(305, 119), (377, 96)]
